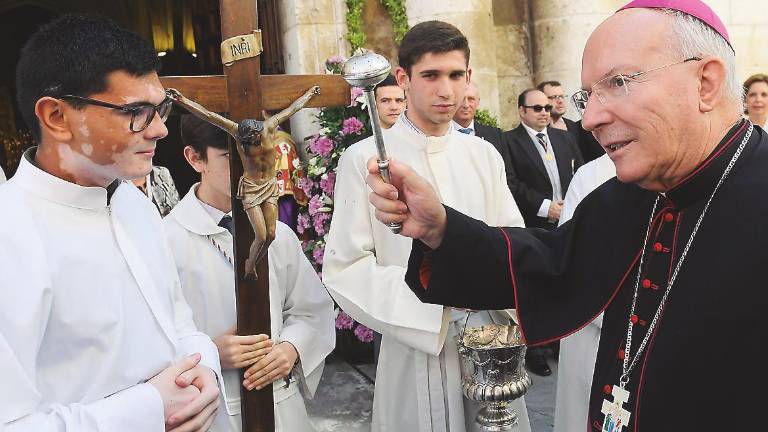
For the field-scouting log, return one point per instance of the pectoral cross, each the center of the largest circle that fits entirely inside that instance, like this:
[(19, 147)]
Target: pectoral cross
[(616, 417), (243, 93)]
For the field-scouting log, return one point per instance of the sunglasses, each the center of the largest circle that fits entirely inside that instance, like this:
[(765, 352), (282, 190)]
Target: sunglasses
[(538, 108), (141, 114)]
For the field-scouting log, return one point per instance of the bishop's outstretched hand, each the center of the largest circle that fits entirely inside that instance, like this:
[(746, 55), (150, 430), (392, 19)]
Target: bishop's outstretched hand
[(409, 200)]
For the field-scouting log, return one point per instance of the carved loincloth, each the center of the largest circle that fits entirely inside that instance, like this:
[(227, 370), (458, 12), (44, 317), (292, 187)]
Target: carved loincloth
[(253, 194)]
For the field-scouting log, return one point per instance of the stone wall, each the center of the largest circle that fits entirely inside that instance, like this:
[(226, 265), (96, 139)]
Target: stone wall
[(514, 43)]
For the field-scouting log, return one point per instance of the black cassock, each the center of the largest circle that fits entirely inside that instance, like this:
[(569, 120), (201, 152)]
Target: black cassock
[(704, 367)]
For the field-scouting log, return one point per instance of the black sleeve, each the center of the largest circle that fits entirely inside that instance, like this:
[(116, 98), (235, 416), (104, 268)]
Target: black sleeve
[(557, 280)]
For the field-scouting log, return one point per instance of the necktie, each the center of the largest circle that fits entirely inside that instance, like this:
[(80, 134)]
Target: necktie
[(467, 131), (542, 140), (226, 222)]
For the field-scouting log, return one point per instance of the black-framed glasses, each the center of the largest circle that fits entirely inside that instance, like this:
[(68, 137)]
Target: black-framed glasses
[(141, 114), (537, 108), (614, 87), (557, 97)]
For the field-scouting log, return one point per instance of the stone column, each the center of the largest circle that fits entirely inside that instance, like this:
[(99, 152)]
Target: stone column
[(560, 31), (313, 31)]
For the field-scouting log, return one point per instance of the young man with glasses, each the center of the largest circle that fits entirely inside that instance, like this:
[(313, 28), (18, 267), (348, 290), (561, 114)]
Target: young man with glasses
[(672, 252), (95, 333)]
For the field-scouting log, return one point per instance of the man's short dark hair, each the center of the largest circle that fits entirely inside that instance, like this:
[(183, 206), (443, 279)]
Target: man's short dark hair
[(389, 81), (73, 55), (521, 98), (430, 37), (200, 135), (541, 86)]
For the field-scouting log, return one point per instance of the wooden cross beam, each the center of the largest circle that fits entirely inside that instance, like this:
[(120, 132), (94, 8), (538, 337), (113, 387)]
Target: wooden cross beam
[(243, 93)]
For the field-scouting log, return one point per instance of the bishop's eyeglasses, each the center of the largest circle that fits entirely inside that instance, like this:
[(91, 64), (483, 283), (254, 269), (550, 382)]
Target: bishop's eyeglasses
[(612, 88), (142, 113)]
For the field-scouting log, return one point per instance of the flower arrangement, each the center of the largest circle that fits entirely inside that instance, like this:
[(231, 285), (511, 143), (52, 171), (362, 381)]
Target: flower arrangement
[(340, 127)]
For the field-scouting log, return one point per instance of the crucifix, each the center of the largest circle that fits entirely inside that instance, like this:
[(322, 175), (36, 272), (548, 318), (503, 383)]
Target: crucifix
[(243, 93), (616, 417)]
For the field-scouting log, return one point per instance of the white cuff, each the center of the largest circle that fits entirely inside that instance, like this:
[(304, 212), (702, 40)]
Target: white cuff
[(544, 209)]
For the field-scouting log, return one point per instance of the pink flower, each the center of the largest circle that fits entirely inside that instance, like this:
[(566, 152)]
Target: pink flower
[(327, 184), (321, 145), (355, 93), (320, 222), (352, 126), (302, 223), (314, 204), (344, 321), (318, 253), (364, 333), (306, 185)]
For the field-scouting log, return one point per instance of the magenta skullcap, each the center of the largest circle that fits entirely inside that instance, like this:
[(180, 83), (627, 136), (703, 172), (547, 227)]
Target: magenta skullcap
[(695, 8)]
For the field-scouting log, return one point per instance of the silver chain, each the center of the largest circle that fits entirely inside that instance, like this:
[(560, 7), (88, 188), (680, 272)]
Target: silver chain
[(626, 366), (221, 250)]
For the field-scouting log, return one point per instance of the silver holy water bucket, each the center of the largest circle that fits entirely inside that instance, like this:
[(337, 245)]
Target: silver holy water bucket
[(492, 371)]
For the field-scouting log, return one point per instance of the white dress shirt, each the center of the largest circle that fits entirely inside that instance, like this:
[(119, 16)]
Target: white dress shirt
[(550, 164)]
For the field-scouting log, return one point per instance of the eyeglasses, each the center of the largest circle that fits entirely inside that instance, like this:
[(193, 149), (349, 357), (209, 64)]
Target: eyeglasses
[(537, 108), (557, 97), (141, 115), (611, 88)]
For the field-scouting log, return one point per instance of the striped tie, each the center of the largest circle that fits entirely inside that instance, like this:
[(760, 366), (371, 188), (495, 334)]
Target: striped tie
[(542, 140)]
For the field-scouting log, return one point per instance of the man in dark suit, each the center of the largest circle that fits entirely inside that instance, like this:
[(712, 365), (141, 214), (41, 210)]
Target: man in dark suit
[(587, 143), (540, 162), (465, 119)]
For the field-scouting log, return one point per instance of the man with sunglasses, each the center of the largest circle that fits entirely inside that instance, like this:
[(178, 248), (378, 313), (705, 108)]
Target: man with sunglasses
[(672, 252), (95, 334), (541, 161)]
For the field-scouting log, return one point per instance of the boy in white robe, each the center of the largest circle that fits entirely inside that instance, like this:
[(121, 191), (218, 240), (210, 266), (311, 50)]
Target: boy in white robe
[(303, 331), (418, 382), (95, 334)]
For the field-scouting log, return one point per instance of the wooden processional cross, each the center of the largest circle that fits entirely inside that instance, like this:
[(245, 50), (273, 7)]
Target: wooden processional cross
[(243, 93)]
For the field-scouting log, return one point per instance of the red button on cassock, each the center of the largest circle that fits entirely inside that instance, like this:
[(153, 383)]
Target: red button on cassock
[(657, 247), (621, 354), (634, 319), (669, 217), (607, 389), (646, 283)]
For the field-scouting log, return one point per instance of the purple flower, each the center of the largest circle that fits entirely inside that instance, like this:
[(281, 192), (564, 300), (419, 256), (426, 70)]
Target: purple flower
[(306, 185), (302, 222), (355, 93), (320, 222), (321, 145), (364, 333), (318, 253), (344, 321), (314, 204), (327, 184), (352, 126)]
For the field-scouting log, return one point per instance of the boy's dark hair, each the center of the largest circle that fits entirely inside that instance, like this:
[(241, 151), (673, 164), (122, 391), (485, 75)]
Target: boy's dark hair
[(521, 97), (73, 55), (430, 37), (541, 86), (389, 81), (200, 135)]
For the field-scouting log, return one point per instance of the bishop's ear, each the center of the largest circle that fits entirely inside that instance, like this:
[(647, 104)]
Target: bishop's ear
[(712, 83), (52, 118)]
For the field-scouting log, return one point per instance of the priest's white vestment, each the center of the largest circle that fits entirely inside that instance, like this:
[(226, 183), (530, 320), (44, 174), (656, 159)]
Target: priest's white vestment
[(300, 307), (579, 350), (418, 382), (91, 309)]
